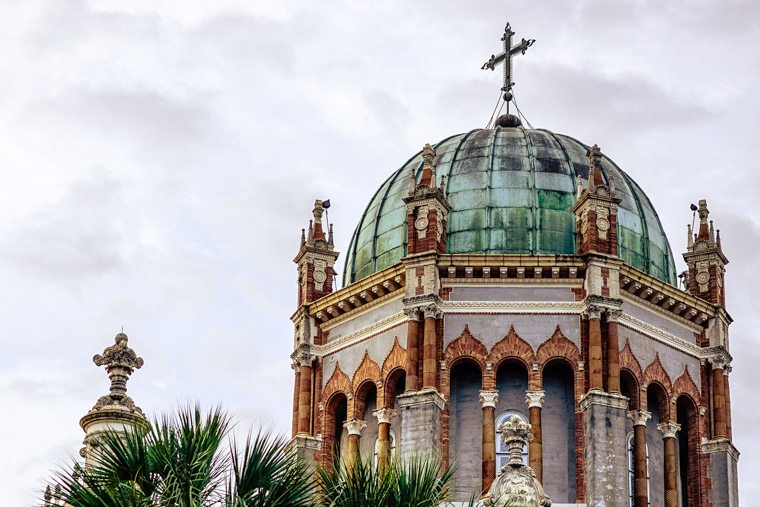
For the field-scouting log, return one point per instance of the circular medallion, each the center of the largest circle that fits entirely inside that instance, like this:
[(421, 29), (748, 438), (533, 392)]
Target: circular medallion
[(320, 276), (703, 277), (421, 223), (602, 224)]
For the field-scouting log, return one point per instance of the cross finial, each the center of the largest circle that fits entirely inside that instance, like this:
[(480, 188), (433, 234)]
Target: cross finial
[(506, 57)]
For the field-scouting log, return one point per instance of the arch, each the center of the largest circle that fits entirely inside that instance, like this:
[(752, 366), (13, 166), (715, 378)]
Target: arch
[(656, 373), (629, 362), (630, 387), (684, 384), (661, 394), (360, 398), (688, 450), (390, 382), (338, 382), (466, 346), (367, 370), (330, 438), (557, 347), (512, 347), (396, 358)]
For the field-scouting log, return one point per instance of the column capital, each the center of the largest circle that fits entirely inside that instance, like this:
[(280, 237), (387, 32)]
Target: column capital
[(613, 315), (594, 311), (489, 398), (432, 311), (719, 358), (384, 415), (354, 426), (413, 313), (534, 398), (302, 356), (669, 429), (639, 417)]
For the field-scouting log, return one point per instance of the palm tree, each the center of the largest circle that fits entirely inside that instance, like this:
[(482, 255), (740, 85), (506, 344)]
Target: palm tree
[(187, 460), (417, 482)]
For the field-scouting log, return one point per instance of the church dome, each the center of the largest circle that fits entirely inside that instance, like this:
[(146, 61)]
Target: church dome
[(511, 190)]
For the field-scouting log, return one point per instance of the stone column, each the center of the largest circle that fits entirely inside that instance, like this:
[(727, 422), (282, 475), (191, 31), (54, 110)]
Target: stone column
[(669, 430), (719, 402), (429, 361), (639, 418), (304, 399), (412, 348), (384, 416), (354, 427), (594, 347), (613, 352), (489, 400), (535, 400)]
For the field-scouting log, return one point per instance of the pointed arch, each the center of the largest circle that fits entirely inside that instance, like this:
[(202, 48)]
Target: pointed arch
[(396, 358), (338, 381), (684, 384), (629, 362), (558, 346), (466, 345), (514, 347), (656, 373), (367, 370)]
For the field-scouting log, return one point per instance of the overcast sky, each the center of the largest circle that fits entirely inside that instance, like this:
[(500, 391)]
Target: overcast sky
[(159, 162)]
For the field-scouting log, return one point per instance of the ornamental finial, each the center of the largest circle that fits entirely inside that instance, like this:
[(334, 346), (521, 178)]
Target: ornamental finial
[(120, 361)]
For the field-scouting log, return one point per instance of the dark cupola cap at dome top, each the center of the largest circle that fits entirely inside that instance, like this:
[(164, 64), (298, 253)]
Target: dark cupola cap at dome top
[(508, 120), (511, 190)]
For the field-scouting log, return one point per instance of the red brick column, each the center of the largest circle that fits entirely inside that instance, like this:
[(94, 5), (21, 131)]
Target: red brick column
[(354, 427), (384, 416), (595, 347), (728, 408), (535, 401), (639, 418), (304, 399), (613, 352), (719, 403), (669, 430), (429, 361), (296, 396), (412, 349), (489, 400)]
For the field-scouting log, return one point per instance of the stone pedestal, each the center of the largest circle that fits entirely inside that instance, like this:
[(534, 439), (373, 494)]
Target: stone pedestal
[(604, 416), (112, 419), (420, 423), (306, 446), (722, 458)]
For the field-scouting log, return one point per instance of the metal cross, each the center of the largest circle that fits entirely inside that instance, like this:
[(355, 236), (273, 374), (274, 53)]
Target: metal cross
[(506, 57)]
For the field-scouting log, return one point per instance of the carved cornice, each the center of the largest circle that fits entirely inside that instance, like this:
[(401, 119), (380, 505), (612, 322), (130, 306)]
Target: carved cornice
[(600, 398), (719, 358), (361, 334), (417, 301), (489, 398), (720, 444), (356, 312), (420, 398), (511, 282), (548, 307), (639, 417), (661, 336), (303, 356)]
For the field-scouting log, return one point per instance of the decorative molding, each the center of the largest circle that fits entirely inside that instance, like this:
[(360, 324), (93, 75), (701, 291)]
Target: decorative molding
[(661, 336), (356, 312), (361, 334), (646, 305), (599, 397), (511, 282), (542, 307), (720, 444)]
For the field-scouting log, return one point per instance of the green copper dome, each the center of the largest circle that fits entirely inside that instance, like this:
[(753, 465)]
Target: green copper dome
[(511, 190)]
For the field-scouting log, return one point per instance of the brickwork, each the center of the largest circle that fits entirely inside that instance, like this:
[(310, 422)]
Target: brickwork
[(655, 373), (466, 346), (368, 370), (338, 382), (684, 384), (413, 354), (513, 347)]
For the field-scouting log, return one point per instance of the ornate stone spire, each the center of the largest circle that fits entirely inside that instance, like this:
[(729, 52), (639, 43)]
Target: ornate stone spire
[(516, 482)]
